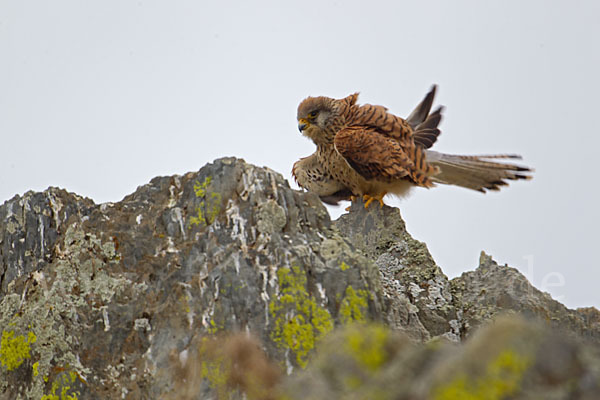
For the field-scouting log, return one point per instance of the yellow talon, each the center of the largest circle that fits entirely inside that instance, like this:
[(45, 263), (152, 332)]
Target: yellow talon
[(368, 199), (352, 200)]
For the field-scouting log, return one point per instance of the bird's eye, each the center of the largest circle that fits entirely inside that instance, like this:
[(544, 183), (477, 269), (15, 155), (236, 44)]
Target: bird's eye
[(312, 114)]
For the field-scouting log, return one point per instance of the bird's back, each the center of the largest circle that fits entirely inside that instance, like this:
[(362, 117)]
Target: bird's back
[(378, 117)]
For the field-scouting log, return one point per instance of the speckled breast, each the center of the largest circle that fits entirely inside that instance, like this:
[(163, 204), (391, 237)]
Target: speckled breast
[(339, 169)]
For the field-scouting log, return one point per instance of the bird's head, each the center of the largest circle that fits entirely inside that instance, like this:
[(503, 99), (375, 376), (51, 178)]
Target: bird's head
[(319, 118)]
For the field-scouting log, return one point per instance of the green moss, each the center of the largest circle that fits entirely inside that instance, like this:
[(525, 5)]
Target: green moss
[(501, 379), (209, 207), (299, 322), (15, 349), (367, 346), (353, 305), (63, 384)]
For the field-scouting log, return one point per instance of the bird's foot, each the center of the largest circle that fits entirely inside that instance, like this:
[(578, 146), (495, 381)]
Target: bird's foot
[(352, 200), (368, 199)]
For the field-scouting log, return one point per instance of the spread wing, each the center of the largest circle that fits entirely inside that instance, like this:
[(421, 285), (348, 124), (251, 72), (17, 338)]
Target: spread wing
[(379, 156)]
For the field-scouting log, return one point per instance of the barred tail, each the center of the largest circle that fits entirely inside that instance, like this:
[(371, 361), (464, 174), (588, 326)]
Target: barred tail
[(476, 172)]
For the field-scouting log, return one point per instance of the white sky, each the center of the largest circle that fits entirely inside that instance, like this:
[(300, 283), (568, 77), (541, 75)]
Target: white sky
[(99, 97)]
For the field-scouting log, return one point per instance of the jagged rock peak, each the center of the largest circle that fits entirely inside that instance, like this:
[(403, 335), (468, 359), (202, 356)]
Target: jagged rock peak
[(137, 298), (114, 290)]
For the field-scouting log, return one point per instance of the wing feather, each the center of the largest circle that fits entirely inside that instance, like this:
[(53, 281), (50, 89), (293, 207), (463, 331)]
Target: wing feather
[(427, 132), (381, 146), (371, 154), (421, 111)]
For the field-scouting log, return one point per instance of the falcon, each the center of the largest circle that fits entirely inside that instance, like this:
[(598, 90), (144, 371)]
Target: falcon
[(364, 151)]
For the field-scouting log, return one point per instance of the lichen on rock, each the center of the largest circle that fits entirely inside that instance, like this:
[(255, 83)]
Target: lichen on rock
[(210, 203), (299, 320), (14, 349), (215, 282)]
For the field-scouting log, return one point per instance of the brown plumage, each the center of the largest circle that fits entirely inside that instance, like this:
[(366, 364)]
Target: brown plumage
[(363, 150)]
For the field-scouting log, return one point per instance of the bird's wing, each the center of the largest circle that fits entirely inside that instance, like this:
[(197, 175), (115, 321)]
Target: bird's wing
[(421, 111), (420, 127), (372, 116), (427, 132), (377, 156), (424, 122)]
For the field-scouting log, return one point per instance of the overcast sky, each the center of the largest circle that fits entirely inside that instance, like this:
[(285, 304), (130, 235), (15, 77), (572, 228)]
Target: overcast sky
[(98, 97)]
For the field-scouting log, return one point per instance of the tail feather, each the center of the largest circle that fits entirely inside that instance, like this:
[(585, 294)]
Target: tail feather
[(476, 172)]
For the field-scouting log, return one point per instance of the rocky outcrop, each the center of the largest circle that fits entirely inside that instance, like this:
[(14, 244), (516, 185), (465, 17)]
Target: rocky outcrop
[(417, 293), (411, 280), (509, 359), (95, 295), (138, 299), (492, 289)]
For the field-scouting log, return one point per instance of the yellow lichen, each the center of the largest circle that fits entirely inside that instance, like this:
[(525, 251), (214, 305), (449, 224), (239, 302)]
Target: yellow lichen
[(209, 207), (15, 349), (367, 346), (344, 266), (213, 327), (502, 378), (62, 384), (214, 367), (184, 300), (353, 382), (299, 321), (353, 305)]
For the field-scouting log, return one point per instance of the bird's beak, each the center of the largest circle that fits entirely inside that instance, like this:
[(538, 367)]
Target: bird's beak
[(302, 124)]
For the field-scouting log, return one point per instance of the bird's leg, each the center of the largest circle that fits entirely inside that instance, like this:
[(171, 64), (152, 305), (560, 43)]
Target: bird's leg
[(352, 200), (368, 199)]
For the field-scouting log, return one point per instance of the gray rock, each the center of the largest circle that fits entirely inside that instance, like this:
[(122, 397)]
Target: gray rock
[(137, 299), (30, 226), (111, 291), (510, 358), (410, 278), (492, 289)]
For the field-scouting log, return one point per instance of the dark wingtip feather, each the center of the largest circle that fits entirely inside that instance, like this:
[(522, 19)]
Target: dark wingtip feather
[(422, 110), (433, 90)]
